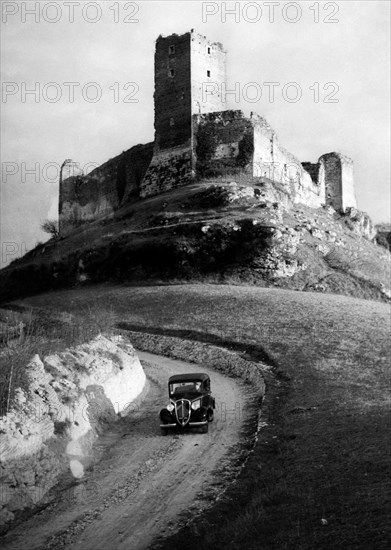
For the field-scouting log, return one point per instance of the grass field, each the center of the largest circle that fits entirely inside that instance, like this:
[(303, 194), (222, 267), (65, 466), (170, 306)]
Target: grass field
[(319, 477)]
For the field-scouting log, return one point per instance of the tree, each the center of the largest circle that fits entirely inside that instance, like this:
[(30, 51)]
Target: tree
[(51, 227)]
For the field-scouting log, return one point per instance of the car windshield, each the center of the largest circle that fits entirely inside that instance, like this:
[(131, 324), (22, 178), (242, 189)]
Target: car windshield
[(190, 386)]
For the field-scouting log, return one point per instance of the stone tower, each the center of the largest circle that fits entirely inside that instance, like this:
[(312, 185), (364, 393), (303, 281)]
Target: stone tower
[(185, 67), (336, 175)]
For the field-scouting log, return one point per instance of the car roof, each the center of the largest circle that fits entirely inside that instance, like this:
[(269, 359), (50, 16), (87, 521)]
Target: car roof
[(184, 377)]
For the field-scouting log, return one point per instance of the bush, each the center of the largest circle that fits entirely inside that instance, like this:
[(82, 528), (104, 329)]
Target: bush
[(50, 227), (383, 238)]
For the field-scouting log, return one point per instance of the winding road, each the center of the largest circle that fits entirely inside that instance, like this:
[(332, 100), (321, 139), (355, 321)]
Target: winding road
[(142, 485)]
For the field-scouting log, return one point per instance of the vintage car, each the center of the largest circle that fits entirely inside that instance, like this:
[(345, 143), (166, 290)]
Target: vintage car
[(191, 403)]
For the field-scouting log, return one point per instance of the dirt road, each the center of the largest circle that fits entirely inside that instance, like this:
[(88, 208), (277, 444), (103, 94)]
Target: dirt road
[(141, 482)]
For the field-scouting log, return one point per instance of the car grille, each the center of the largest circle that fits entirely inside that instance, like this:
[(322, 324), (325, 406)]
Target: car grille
[(182, 411)]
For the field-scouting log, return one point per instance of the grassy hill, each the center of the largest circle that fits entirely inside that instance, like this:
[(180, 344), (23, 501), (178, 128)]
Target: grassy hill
[(319, 477), (212, 231)]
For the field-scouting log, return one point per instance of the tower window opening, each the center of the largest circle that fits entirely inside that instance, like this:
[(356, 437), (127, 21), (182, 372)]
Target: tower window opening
[(208, 50), (171, 73), (207, 73), (171, 50)]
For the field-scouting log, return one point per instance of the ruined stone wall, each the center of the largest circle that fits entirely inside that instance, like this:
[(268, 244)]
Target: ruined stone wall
[(100, 193), (312, 169), (228, 140), (223, 141), (169, 168), (87, 198), (273, 161)]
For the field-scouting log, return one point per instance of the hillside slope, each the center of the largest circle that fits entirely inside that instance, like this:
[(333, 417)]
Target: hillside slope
[(213, 231), (319, 475)]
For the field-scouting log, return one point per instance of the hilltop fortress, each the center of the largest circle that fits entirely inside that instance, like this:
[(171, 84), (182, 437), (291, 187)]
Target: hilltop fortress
[(197, 137)]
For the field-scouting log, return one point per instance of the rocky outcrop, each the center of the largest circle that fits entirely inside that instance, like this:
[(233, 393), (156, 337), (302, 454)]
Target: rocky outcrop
[(360, 223), (51, 426)]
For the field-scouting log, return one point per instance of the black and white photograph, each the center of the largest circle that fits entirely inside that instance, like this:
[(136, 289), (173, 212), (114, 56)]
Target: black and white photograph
[(195, 275)]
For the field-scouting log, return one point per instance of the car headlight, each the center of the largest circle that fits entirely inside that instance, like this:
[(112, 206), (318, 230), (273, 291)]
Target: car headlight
[(170, 407), (196, 404)]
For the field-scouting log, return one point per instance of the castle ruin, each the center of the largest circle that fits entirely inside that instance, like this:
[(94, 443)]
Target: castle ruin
[(196, 136)]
